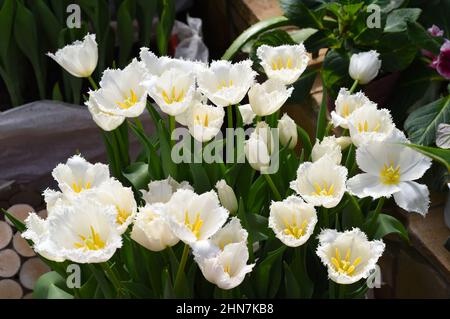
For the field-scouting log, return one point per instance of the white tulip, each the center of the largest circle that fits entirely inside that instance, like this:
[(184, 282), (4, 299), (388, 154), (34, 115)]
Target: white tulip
[(204, 121), (161, 191), (321, 183), (79, 58), (345, 104), (370, 124), (285, 63), (328, 147), (225, 83), (269, 97), (227, 268), (292, 220), (258, 148), (227, 196), (231, 233), (120, 95), (173, 90), (83, 232), (344, 142), (390, 168), (78, 175), (288, 131), (364, 66), (193, 217), (151, 230), (247, 114), (348, 256)]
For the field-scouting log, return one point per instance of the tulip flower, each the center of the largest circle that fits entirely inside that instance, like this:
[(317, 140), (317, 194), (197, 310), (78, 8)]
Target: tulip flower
[(227, 196), (269, 97), (348, 256), (346, 103), (151, 230), (321, 183), (224, 83), (231, 233), (79, 58), (328, 147), (288, 131), (364, 66), (259, 147), (247, 114), (370, 124), (120, 96), (161, 191), (284, 63), (292, 220), (390, 168), (204, 121), (193, 217), (83, 232)]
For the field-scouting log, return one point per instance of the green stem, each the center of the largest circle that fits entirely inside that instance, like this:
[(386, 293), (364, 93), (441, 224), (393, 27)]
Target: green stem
[(326, 217), (181, 267), (92, 82), (355, 84), (171, 128), (230, 116), (123, 151), (139, 124), (257, 119), (377, 212), (273, 187), (112, 277)]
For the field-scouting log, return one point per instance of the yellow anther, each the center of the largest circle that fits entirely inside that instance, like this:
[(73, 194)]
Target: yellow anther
[(173, 96), (227, 269), (293, 229), (323, 190), (279, 64), (194, 227), (344, 266), (225, 84), (390, 175), (128, 101), (345, 110), (91, 242), (122, 215), (289, 63), (78, 187), (204, 121)]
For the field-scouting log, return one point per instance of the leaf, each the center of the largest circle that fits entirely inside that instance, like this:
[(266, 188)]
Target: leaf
[(125, 30), (200, 177), (396, 51), (291, 284), (299, 14), (49, 22), (440, 155), (335, 71), (17, 223), (303, 86), (263, 271), (145, 13), (386, 224), (138, 290), (7, 14), (168, 166), (51, 286), (252, 33), (257, 224), (137, 174), (306, 141), (164, 28), (422, 38), (397, 20), (272, 38), (322, 117), (421, 125), (352, 215)]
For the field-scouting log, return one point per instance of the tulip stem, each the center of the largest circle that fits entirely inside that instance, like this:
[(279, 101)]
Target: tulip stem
[(171, 128), (181, 267), (112, 277), (273, 187), (355, 84), (377, 212), (230, 116), (92, 82)]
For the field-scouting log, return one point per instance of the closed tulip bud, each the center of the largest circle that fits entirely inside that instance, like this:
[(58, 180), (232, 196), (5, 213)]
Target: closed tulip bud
[(288, 131), (227, 196), (364, 66)]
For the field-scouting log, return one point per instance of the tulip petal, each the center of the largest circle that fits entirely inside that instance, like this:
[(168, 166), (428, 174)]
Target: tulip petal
[(413, 197)]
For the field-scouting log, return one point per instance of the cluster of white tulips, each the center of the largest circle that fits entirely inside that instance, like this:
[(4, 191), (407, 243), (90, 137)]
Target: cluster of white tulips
[(92, 211)]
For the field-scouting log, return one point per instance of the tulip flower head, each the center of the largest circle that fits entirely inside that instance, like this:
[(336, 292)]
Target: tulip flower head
[(161, 191), (288, 131), (346, 103), (364, 66), (227, 196), (328, 147), (269, 97)]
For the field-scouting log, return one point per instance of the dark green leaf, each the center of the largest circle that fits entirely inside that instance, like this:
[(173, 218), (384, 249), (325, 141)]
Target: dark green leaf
[(51, 286), (125, 30), (397, 20), (263, 271), (165, 25), (137, 174), (438, 154), (387, 224)]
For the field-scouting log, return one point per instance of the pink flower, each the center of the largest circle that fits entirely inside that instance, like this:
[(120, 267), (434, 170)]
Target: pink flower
[(442, 63), (435, 31)]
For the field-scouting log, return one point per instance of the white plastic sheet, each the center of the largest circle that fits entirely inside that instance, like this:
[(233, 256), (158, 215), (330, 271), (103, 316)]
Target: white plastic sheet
[(190, 45)]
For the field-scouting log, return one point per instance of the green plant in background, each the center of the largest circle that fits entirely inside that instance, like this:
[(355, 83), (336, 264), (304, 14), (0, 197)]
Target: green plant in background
[(29, 29)]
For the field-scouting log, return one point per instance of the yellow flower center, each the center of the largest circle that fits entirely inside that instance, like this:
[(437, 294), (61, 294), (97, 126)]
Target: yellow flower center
[(225, 84), (173, 96), (390, 175), (364, 127), (79, 186), (345, 110), (293, 228), (202, 120), (345, 266), (323, 190), (196, 226), (279, 64), (91, 242), (227, 269), (122, 215), (128, 101)]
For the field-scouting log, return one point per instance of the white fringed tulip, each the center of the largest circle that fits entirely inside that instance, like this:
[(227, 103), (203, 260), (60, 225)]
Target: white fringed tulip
[(345, 104), (226, 268), (79, 58), (259, 147), (364, 66), (344, 142), (225, 83), (161, 191), (285, 62), (227, 196), (151, 230), (78, 175), (390, 168), (328, 147), (292, 220), (173, 90), (204, 121), (193, 217), (120, 95), (247, 114), (269, 97), (83, 232), (288, 131), (321, 183), (348, 256), (370, 124), (231, 233)]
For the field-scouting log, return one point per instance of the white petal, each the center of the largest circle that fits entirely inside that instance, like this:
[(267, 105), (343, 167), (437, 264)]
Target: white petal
[(364, 185), (413, 197)]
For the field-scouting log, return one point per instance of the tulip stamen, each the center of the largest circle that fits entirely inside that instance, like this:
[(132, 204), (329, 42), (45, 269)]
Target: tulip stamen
[(293, 229), (129, 101), (122, 215), (227, 269), (78, 186), (345, 266), (323, 190), (202, 121), (173, 97), (224, 84), (390, 175), (278, 64), (346, 110), (194, 227), (91, 242)]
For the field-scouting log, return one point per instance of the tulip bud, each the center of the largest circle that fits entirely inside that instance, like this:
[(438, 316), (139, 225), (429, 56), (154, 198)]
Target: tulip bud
[(288, 131), (364, 66), (227, 196), (328, 147), (344, 142)]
